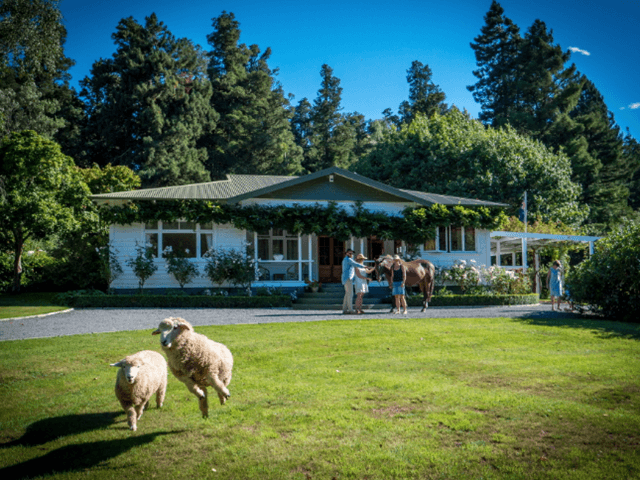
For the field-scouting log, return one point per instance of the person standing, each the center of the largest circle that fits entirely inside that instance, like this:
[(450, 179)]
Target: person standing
[(554, 283), (348, 273), (399, 272), (362, 285)]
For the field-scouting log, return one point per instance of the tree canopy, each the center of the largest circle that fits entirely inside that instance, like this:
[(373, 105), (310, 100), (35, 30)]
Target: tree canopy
[(148, 105), (454, 155), (42, 193), (253, 134)]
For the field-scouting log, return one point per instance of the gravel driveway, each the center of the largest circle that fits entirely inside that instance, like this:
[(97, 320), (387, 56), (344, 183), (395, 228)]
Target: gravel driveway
[(99, 320)]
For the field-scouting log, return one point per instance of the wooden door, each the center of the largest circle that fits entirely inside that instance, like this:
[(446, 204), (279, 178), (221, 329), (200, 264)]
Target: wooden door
[(330, 256)]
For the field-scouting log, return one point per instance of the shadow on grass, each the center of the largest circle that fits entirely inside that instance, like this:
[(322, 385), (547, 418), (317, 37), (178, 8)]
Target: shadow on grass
[(73, 458), (603, 328), (44, 431)]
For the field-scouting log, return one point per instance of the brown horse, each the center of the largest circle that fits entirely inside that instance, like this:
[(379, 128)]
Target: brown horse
[(420, 272)]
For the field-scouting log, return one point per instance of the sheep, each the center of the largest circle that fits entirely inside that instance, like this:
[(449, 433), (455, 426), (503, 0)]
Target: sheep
[(140, 376), (196, 360)]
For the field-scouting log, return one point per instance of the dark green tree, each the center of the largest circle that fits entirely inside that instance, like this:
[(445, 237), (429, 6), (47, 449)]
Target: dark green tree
[(333, 137), (425, 97), (496, 50), (631, 156), (606, 183), (42, 193), (301, 126), (33, 68), (148, 105), (254, 133), (454, 155)]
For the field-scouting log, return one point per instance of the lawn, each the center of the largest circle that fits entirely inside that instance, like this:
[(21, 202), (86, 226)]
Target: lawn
[(26, 304), (361, 399)]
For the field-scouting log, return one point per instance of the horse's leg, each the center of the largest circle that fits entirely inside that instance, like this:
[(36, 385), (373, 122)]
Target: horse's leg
[(425, 298)]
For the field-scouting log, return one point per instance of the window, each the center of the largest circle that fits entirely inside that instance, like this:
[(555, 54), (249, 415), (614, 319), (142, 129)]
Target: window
[(452, 239), (277, 242), (187, 238)]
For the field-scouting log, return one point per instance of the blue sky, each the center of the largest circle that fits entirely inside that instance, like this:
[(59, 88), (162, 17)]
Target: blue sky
[(371, 44)]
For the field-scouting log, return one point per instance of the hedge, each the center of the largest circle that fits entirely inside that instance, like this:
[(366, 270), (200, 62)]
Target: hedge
[(475, 300), (176, 301)]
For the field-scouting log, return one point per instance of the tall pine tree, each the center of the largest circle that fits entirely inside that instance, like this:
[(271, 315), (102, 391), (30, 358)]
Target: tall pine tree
[(496, 50), (333, 137), (425, 97), (254, 133), (148, 105), (33, 67)]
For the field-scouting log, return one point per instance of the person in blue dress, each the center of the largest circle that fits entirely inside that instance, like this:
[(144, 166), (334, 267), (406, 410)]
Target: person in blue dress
[(554, 284)]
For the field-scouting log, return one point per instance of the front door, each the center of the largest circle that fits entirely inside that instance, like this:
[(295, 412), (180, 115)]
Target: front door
[(330, 256)]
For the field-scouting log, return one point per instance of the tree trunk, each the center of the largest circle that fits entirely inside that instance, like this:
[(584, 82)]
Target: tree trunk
[(18, 245)]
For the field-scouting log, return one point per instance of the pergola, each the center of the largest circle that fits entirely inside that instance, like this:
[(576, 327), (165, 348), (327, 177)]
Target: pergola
[(519, 242)]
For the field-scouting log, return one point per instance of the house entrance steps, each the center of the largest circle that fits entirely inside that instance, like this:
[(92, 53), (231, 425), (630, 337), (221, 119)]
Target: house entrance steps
[(331, 295)]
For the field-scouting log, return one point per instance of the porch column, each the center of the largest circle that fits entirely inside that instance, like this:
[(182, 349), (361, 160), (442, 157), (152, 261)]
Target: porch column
[(537, 279), (255, 252), (591, 249), (299, 258), (351, 247), (498, 253), (310, 259), (524, 254), (362, 246)]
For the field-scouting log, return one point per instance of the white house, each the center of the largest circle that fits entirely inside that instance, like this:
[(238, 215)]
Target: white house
[(286, 259)]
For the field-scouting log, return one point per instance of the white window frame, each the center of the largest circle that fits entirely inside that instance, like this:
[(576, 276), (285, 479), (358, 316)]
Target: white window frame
[(448, 240), (284, 237), (198, 231)]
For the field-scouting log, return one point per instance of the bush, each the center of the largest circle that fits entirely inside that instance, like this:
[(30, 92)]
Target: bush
[(143, 265), (609, 282), (474, 300), (180, 267), (231, 266), (85, 299), (36, 270)]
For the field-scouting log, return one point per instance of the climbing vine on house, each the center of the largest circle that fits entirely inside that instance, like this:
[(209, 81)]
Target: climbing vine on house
[(414, 226)]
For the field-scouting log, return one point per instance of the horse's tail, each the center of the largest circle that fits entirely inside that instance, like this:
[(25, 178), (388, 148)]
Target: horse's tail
[(431, 273)]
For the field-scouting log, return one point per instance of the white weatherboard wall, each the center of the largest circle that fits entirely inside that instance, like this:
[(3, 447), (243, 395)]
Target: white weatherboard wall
[(481, 255), (124, 237)]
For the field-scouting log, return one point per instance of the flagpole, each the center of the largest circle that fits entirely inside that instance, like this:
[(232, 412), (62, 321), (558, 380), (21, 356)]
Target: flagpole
[(524, 240)]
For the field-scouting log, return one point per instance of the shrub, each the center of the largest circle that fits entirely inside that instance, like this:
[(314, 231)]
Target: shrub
[(231, 266), (85, 299), (143, 264), (179, 266), (609, 282)]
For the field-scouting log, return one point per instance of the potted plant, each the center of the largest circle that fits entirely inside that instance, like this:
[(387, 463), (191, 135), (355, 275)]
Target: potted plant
[(314, 285)]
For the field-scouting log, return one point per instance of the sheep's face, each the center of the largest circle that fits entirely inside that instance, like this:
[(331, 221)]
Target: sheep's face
[(130, 370), (169, 329)]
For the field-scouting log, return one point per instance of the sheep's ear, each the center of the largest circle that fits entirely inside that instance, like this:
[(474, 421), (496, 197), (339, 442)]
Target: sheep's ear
[(119, 364), (182, 323), (156, 332)]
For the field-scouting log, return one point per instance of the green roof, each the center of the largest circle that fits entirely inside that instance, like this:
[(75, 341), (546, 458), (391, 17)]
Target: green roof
[(237, 188)]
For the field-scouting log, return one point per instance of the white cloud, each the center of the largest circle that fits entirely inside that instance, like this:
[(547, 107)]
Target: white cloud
[(579, 50), (634, 106)]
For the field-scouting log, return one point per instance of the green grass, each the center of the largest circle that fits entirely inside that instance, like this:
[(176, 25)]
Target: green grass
[(26, 304), (368, 399)]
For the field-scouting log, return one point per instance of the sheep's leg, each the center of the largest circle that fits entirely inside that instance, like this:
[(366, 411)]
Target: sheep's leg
[(220, 388), (160, 396), (131, 417), (201, 393)]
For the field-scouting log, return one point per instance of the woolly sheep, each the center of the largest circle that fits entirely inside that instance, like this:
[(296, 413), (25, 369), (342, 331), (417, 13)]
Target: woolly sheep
[(140, 376), (196, 360)]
